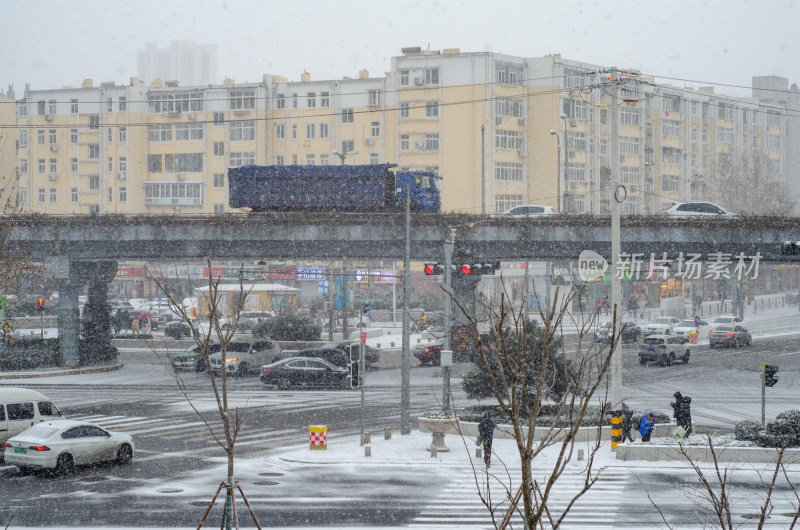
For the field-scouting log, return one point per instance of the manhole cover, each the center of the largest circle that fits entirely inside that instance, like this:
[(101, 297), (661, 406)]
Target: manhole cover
[(169, 490), (266, 483), (270, 474), (95, 479)]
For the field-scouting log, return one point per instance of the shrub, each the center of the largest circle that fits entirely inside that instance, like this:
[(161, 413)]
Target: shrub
[(747, 430), (288, 327)]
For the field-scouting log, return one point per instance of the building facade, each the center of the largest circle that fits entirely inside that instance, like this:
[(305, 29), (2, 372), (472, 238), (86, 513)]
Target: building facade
[(499, 130), (189, 63)]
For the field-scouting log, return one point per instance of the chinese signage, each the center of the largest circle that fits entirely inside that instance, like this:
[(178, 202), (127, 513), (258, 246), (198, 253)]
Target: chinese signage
[(692, 266)]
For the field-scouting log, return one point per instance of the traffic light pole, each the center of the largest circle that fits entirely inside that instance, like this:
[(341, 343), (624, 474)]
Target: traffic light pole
[(616, 282), (405, 372), (362, 369), (763, 394), (448, 315)]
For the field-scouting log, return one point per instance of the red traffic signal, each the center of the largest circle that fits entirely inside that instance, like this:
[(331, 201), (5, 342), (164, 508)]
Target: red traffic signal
[(433, 269), (40, 304)]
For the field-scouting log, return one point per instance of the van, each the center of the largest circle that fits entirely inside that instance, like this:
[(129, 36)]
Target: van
[(21, 408)]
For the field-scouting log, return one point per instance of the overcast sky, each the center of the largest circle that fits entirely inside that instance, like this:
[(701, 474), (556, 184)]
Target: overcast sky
[(51, 43)]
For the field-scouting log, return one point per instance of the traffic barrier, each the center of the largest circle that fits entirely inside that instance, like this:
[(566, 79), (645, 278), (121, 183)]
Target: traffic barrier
[(318, 437), (693, 337), (365, 438), (616, 428), (387, 433)]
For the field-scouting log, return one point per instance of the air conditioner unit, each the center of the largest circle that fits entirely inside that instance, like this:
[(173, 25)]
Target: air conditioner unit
[(419, 81), (52, 176), (498, 120), (120, 176), (48, 117), (180, 176), (572, 154), (53, 147), (573, 122), (418, 144), (190, 116), (521, 153), (369, 141), (521, 121)]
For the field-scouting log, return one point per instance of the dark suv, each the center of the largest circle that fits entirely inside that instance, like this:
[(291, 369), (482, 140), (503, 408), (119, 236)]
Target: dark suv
[(371, 355)]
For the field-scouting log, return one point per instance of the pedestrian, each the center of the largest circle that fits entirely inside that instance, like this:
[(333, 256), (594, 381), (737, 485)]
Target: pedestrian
[(627, 425), (646, 425), (485, 435), (135, 326)]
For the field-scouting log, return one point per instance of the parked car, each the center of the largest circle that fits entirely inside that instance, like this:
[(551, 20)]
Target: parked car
[(695, 209), (663, 349), (687, 326), (335, 356), (430, 353), (630, 332), (178, 330), (661, 325), (193, 358), (725, 320), (304, 371), (244, 356), (62, 444), (531, 210), (371, 355), (729, 335)]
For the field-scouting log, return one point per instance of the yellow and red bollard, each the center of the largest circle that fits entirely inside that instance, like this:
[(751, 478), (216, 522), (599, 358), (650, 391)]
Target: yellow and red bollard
[(318, 437), (616, 428)]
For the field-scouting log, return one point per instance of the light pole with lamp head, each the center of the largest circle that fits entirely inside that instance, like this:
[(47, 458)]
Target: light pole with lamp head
[(558, 167), (344, 154)]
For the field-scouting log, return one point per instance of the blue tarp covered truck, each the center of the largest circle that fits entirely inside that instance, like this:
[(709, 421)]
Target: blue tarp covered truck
[(377, 187)]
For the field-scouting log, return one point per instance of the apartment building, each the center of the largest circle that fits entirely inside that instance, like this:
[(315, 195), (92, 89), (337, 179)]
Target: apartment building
[(499, 130)]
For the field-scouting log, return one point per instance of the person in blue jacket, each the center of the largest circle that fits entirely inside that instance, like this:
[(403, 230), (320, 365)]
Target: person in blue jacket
[(646, 426)]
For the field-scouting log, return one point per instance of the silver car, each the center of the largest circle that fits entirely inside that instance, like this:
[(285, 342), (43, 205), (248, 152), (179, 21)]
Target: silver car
[(663, 349), (247, 356), (695, 209)]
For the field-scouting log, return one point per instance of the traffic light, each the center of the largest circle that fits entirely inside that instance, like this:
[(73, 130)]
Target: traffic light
[(769, 374), (433, 269), (465, 269), (40, 304), (354, 381), (790, 248)]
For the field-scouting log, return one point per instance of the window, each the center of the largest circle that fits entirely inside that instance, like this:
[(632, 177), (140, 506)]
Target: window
[(628, 145), (311, 100), (189, 131), (670, 128), (22, 108), (773, 142), (51, 106), (22, 195), (40, 164), (431, 76), (40, 137), (154, 164), (670, 183), (169, 163), (323, 130), (347, 115), (94, 182), (280, 132), (628, 116), (374, 159), (671, 104), (173, 193), (94, 151), (219, 208), (219, 119), (94, 209), (508, 171), (243, 159), (725, 135), (74, 165), (576, 141), (73, 195), (294, 132), (188, 102), (110, 194), (123, 194), (53, 165), (40, 106), (123, 103), (219, 180), (279, 160), (73, 106), (432, 109), (109, 135), (243, 99), (373, 97), (629, 175), (294, 100), (576, 172), (509, 74), (280, 101), (324, 160), (505, 202), (20, 411), (294, 160), (773, 119), (670, 155), (310, 131), (403, 77), (94, 121), (325, 99), (110, 164), (574, 108), (725, 111), (508, 139), (189, 162), (123, 134), (404, 143), (52, 136), (41, 194), (159, 133), (508, 107), (23, 137), (311, 160), (243, 130), (432, 141), (347, 146), (109, 104), (375, 128), (23, 166), (404, 110), (219, 148)]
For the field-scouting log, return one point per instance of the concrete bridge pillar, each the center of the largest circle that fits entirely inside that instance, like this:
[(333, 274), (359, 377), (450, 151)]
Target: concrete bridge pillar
[(97, 312), (68, 321)]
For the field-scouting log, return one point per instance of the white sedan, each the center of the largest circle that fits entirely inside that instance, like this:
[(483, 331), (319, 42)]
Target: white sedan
[(687, 326), (62, 444), (661, 326)]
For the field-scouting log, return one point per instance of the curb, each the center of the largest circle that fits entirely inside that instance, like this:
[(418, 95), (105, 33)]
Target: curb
[(65, 371)]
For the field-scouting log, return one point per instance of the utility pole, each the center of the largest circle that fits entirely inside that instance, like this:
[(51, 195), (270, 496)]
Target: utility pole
[(405, 375), (483, 171), (616, 282), (448, 315)]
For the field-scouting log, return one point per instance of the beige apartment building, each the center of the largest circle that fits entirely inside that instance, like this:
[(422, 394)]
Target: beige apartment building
[(499, 130)]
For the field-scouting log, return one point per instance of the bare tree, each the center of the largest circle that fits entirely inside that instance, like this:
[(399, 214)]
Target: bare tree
[(517, 364), (749, 184), (227, 429)]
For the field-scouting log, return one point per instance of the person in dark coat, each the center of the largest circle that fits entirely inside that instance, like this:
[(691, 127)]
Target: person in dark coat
[(485, 436), (646, 425), (627, 425)]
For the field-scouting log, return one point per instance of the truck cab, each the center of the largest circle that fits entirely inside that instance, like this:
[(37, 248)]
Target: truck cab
[(424, 191)]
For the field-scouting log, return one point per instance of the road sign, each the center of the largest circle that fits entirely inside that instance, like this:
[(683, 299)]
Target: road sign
[(697, 321)]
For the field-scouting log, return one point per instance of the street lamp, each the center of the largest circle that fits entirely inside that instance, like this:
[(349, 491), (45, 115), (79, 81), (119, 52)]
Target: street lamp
[(558, 167), (344, 154)]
